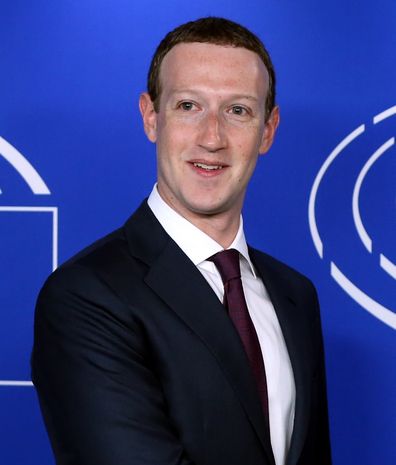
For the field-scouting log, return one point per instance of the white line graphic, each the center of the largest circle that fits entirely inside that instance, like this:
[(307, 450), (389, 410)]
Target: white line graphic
[(386, 315), (372, 306), (54, 238), (315, 187), (24, 168), (388, 266), (384, 114), (54, 211), (364, 237), (16, 383)]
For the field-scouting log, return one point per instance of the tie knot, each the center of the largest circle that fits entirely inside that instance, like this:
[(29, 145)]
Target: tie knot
[(227, 262)]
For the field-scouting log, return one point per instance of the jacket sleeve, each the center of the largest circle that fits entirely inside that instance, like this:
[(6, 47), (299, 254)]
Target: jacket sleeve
[(101, 401)]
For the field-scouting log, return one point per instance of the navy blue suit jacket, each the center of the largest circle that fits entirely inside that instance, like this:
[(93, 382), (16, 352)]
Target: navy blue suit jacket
[(136, 362)]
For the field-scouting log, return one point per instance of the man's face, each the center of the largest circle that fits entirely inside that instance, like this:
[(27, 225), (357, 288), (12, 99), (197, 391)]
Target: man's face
[(210, 126)]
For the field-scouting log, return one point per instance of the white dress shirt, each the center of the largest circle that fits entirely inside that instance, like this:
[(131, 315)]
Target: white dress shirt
[(198, 246)]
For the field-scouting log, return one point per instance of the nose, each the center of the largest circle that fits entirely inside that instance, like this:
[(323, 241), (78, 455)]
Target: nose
[(211, 135)]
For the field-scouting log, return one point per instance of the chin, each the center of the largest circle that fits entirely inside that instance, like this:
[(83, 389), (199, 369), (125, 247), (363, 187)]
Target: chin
[(208, 209)]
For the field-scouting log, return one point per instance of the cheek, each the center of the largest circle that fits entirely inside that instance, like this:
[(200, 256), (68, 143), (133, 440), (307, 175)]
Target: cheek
[(247, 150), (171, 133), (246, 139), (171, 147)]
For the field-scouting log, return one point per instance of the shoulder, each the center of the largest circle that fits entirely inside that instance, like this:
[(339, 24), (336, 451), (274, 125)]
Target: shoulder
[(92, 295), (287, 278), (277, 267), (90, 260), (94, 274), (81, 277), (110, 258)]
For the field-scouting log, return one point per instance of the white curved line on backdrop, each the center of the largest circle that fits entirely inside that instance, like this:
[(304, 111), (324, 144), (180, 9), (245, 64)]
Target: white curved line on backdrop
[(24, 168), (361, 230), (384, 114), (388, 266), (372, 306), (16, 383), (54, 211), (315, 187)]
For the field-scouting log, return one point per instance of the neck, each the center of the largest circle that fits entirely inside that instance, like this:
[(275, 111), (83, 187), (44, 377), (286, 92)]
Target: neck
[(220, 227)]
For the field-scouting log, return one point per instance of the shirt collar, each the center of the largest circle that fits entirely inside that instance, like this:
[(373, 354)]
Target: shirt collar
[(197, 245)]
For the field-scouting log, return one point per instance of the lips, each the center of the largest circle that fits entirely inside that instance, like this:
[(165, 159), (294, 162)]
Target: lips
[(208, 167), (205, 166)]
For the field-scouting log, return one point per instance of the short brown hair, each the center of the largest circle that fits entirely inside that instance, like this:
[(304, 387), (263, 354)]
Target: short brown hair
[(212, 30)]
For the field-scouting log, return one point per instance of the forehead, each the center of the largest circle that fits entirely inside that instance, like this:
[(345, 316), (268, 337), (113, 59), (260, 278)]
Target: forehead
[(218, 67)]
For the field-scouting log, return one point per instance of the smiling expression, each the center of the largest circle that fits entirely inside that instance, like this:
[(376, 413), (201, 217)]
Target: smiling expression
[(210, 127)]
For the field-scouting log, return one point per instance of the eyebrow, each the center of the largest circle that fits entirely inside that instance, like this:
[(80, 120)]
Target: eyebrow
[(231, 96)]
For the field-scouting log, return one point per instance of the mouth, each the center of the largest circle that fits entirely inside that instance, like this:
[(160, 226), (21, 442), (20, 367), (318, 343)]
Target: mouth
[(207, 167)]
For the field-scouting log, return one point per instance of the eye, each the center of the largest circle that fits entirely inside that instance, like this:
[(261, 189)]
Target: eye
[(186, 106), (238, 110)]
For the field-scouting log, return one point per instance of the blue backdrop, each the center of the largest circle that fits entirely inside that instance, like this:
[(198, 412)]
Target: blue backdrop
[(74, 163)]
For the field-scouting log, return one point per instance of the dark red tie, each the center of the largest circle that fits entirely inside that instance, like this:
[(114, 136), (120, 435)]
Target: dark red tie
[(227, 262)]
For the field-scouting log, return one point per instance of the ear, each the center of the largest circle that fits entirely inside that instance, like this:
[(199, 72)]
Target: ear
[(149, 116), (269, 131)]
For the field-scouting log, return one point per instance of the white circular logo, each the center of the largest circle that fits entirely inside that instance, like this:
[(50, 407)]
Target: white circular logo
[(352, 215)]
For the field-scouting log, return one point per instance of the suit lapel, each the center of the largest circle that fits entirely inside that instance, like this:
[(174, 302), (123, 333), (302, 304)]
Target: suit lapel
[(174, 278), (297, 343)]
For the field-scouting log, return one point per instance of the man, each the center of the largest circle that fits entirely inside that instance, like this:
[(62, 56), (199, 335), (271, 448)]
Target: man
[(136, 359)]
